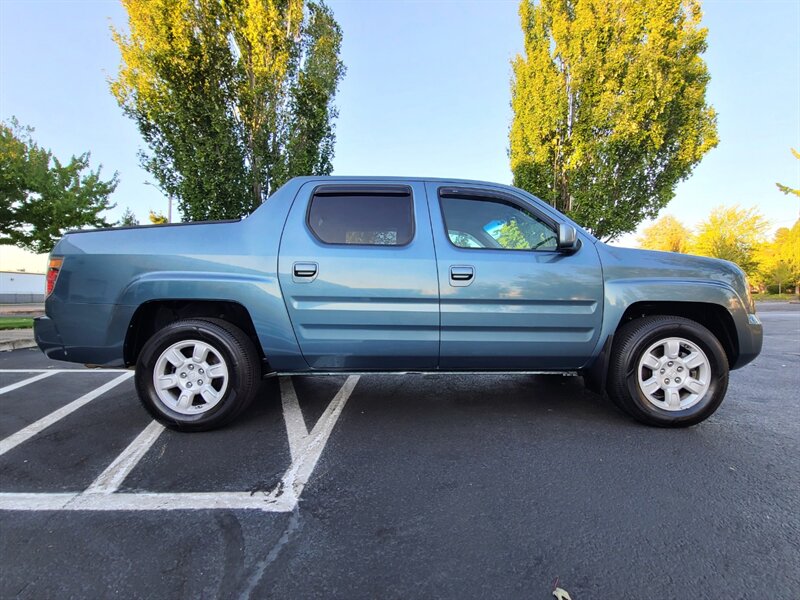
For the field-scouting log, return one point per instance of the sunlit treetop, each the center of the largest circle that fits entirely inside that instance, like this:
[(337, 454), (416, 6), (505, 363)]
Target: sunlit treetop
[(609, 103)]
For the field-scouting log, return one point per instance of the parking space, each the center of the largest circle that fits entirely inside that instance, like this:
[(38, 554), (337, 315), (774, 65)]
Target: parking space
[(74, 440), (400, 486), (69, 454), (41, 397)]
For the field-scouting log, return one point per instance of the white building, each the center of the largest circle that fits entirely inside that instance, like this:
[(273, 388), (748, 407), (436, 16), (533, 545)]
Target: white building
[(22, 276)]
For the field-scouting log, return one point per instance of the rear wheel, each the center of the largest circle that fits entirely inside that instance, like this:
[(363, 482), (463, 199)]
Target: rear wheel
[(667, 371), (197, 374)]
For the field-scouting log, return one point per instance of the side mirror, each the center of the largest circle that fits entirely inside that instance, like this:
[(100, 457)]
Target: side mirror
[(567, 238)]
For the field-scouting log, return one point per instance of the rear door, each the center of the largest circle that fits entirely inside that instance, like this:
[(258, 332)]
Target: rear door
[(509, 298), (358, 275)]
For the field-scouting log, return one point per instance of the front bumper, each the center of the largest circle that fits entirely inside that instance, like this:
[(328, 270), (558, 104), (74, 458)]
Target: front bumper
[(751, 338)]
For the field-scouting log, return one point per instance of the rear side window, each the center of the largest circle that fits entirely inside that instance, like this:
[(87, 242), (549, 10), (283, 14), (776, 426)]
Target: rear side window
[(373, 217)]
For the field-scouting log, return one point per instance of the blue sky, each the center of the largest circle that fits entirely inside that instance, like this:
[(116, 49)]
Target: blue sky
[(426, 93)]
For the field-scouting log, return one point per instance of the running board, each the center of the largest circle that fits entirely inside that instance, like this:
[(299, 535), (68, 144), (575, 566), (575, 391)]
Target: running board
[(329, 373)]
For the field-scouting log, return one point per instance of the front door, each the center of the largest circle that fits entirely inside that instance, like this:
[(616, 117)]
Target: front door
[(509, 298), (358, 275)]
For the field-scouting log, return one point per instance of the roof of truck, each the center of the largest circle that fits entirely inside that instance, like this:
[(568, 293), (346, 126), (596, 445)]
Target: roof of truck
[(396, 178)]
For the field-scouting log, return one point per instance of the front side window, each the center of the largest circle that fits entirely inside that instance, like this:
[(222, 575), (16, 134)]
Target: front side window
[(373, 219), (463, 240), (497, 224)]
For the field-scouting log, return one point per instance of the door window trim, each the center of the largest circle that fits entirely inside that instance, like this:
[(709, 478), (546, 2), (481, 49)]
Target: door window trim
[(471, 193), (355, 189)]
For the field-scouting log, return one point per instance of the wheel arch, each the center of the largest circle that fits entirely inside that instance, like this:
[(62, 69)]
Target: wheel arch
[(213, 293), (714, 306), (717, 319), (153, 315)]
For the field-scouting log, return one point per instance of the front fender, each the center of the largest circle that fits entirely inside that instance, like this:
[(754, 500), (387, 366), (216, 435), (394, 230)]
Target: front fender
[(622, 294)]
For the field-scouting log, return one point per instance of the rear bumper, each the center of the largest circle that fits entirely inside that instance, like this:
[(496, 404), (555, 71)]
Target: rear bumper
[(751, 338), (56, 345), (48, 339)]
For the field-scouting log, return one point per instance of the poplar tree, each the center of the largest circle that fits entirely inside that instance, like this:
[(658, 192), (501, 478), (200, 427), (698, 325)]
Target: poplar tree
[(232, 97), (609, 107)]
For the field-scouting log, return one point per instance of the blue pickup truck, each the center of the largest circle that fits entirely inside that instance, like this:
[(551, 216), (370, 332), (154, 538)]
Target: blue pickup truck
[(343, 275)]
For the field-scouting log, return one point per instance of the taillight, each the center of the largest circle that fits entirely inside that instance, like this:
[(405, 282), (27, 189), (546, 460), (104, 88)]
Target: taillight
[(53, 269)]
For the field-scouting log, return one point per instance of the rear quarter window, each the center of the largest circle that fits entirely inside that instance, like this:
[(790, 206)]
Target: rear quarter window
[(368, 218)]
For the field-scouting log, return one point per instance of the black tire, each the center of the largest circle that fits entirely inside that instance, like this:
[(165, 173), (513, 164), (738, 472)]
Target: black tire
[(231, 344), (633, 339)]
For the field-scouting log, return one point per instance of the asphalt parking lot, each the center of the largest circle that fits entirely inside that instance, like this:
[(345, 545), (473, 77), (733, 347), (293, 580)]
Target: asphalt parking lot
[(400, 487)]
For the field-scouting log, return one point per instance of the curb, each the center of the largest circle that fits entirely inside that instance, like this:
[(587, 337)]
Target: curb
[(17, 345)]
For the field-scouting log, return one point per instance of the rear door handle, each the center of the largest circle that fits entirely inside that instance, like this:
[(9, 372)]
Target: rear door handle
[(304, 272), (461, 275)]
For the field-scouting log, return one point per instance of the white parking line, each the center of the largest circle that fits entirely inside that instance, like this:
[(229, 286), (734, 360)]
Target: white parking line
[(15, 439), (306, 449), (24, 382), (301, 468), (293, 416), (109, 480), (99, 370), (146, 501)]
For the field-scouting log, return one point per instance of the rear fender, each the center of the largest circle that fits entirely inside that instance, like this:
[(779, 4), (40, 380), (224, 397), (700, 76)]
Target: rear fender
[(259, 295)]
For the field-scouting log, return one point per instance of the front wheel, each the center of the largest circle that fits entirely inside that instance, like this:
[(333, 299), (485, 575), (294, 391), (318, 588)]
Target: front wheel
[(667, 371), (197, 374)]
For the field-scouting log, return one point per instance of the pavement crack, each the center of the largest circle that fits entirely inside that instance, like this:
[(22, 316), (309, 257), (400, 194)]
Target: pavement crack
[(233, 540), (261, 566)]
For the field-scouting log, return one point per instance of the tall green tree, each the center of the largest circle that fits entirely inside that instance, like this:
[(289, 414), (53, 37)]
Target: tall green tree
[(41, 197), (732, 233), (609, 103), (232, 97)]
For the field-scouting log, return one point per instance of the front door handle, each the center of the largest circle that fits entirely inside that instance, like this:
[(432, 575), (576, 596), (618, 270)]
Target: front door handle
[(461, 275), (304, 271)]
